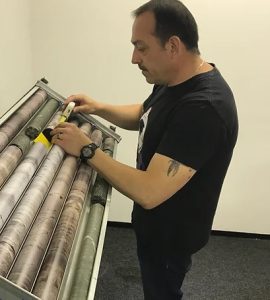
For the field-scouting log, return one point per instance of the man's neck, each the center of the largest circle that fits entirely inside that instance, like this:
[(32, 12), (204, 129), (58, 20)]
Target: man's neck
[(190, 66)]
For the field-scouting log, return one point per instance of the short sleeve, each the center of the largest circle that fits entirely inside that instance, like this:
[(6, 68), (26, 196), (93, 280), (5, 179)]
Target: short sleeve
[(193, 134)]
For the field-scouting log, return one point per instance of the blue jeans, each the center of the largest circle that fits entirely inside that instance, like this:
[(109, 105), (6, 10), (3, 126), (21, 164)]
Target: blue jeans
[(163, 275)]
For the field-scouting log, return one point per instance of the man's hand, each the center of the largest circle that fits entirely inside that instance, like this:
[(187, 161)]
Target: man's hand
[(124, 116), (83, 104), (69, 137)]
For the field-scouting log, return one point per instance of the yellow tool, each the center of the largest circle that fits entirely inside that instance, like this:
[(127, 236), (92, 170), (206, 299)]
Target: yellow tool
[(66, 113), (45, 137)]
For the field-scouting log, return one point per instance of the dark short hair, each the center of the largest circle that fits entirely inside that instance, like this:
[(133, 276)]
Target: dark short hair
[(172, 18)]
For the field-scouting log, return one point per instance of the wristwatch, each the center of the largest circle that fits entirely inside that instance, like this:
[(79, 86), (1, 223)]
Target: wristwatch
[(88, 151)]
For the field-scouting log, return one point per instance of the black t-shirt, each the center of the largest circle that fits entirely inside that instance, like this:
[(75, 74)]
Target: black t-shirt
[(196, 124)]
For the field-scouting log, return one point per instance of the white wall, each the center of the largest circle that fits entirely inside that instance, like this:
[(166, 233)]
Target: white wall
[(84, 46), (16, 73)]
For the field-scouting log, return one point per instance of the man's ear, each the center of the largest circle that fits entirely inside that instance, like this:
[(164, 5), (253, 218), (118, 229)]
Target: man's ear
[(174, 45)]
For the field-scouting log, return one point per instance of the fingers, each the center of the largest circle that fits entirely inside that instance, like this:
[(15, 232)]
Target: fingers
[(65, 128), (62, 125), (81, 102), (58, 136), (59, 130), (56, 139), (75, 98)]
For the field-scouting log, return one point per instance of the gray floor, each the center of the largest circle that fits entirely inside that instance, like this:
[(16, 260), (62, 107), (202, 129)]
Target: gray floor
[(228, 268)]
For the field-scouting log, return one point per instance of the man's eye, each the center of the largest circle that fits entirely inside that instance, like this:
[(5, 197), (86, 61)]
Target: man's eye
[(141, 49)]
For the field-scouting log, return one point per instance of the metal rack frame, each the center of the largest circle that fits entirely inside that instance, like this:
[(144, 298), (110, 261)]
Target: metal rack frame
[(11, 291)]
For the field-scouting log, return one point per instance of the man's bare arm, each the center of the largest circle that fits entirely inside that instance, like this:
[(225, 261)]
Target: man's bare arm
[(124, 116), (162, 179)]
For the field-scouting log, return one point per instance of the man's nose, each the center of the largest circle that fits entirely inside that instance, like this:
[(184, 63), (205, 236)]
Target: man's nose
[(135, 57)]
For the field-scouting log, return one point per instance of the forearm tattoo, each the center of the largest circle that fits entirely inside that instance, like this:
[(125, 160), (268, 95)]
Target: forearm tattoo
[(173, 167)]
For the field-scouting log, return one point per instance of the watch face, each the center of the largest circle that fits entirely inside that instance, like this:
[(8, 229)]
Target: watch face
[(88, 151)]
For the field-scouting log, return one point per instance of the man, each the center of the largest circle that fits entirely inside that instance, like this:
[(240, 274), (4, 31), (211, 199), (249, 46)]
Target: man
[(188, 128)]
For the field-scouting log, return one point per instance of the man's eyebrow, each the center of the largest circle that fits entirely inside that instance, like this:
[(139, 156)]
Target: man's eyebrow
[(136, 42)]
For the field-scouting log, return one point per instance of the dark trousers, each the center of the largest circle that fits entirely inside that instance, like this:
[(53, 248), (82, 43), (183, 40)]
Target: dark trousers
[(163, 275)]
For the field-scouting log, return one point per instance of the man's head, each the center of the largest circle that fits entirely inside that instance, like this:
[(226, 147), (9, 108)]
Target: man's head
[(161, 30), (172, 18)]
